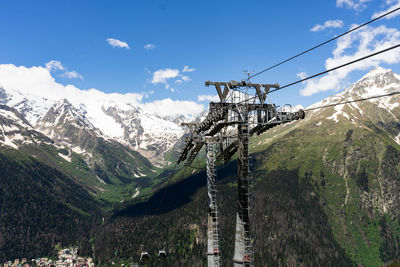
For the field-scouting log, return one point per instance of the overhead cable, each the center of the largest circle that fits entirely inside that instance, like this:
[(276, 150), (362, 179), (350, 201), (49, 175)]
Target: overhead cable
[(337, 67), (352, 101), (326, 71), (330, 40)]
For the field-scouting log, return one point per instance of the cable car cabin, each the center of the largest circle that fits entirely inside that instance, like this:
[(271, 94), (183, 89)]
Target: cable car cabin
[(162, 254), (144, 256)]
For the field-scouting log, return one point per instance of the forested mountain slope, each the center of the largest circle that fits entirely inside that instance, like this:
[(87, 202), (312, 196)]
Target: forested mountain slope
[(325, 191), (41, 207)]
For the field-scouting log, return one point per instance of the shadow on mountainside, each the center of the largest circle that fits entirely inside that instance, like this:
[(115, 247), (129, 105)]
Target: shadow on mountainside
[(176, 195), (289, 226)]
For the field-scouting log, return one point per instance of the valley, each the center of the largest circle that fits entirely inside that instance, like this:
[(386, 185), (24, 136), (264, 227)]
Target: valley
[(324, 190)]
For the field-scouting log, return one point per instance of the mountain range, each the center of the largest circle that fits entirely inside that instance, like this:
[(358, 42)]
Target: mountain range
[(325, 190), (110, 116), (113, 144)]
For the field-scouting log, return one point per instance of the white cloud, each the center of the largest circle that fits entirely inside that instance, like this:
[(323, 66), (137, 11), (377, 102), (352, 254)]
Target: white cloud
[(208, 98), (186, 68), (39, 81), (55, 65), (186, 78), (392, 7), (302, 75), (328, 24), (72, 75), (149, 47), (169, 107), (358, 44), (117, 43), (357, 5), (161, 76)]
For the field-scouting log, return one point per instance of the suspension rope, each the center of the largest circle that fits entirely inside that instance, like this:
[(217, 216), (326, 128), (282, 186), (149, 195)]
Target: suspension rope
[(352, 101), (321, 44), (326, 71)]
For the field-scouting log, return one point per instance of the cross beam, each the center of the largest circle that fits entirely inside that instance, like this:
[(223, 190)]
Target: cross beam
[(234, 84)]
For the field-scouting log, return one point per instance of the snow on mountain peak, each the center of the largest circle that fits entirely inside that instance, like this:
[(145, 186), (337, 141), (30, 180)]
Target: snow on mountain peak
[(377, 81), (378, 70)]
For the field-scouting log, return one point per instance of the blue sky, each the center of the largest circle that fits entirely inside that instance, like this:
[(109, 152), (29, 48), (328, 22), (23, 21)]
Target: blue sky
[(215, 40)]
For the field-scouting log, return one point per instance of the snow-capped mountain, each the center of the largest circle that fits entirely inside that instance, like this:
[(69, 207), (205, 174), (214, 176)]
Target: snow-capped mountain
[(111, 116), (32, 107), (378, 81), (15, 130), (150, 134), (383, 112), (66, 141)]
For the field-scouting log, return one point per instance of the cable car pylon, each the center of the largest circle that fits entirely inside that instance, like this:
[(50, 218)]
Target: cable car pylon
[(217, 131)]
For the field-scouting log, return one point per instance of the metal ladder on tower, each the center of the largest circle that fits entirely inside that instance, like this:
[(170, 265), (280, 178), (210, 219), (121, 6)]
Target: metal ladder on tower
[(248, 244), (213, 235)]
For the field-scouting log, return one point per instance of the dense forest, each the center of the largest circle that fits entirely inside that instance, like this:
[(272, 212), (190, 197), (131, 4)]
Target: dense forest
[(40, 208), (300, 228)]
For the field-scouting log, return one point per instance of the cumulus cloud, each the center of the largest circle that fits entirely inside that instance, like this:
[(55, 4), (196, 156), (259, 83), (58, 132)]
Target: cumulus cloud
[(357, 5), (38, 80), (169, 107), (302, 75), (117, 43), (208, 98), (163, 75), (393, 5), (185, 78), (358, 44), (186, 68), (149, 47), (328, 24), (72, 75), (55, 66)]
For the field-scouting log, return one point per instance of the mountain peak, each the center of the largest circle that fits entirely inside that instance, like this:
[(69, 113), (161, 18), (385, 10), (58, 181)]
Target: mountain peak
[(377, 81), (63, 113), (376, 71)]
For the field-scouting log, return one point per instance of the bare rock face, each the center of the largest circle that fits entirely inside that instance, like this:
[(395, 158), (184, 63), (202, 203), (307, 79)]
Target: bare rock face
[(65, 124), (15, 130), (149, 134)]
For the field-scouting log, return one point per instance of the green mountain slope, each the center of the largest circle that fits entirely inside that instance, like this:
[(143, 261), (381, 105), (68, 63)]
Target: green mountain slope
[(41, 207), (325, 191), (106, 168)]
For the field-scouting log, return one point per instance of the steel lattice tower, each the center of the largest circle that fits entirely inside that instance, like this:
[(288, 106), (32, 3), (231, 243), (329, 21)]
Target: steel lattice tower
[(222, 141)]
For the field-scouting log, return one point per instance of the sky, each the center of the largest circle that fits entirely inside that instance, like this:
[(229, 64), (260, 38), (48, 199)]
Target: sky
[(165, 50)]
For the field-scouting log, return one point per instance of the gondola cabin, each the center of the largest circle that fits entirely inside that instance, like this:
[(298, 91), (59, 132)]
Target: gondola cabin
[(144, 256), (162, 254)]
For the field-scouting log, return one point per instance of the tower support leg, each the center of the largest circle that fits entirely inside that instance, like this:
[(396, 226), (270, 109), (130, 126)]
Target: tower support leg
[(243, 255), (213, 252)]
